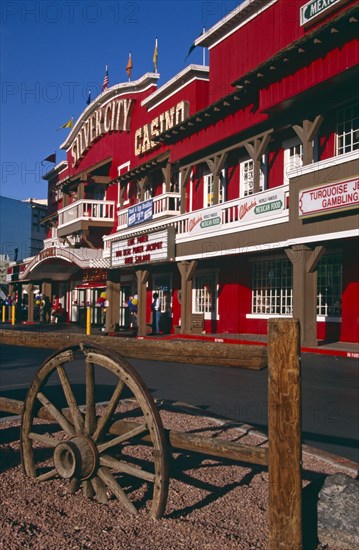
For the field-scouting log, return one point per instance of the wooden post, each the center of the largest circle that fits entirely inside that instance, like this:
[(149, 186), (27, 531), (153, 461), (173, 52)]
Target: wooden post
[(284, 434), (88, 321), (142, 278)]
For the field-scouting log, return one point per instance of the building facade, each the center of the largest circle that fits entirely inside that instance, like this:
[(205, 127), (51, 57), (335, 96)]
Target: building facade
[(231, 190)]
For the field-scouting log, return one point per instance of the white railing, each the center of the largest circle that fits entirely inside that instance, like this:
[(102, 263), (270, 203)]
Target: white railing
[(164, 205), (257, 210), (87, 210)]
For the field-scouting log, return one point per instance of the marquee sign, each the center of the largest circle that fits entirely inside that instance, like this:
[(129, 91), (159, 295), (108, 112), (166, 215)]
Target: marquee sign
[(321, 200), (115, 116), (144, 248), (315, 8)]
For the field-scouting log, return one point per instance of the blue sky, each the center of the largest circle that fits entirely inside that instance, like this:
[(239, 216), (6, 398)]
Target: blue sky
[(54, 51)]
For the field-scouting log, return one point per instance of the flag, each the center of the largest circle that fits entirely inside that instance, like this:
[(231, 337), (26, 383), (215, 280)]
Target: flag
[(193, 46), (50, 158), (129, 66), (68, 124), (105, 80), (190, 51), (155, 56), (89, 98)]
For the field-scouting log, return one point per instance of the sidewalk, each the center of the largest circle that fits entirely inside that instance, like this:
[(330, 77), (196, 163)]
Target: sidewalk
[(339, 349)]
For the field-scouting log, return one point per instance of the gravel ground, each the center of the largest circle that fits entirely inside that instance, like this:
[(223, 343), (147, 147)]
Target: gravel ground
[(212, 503)]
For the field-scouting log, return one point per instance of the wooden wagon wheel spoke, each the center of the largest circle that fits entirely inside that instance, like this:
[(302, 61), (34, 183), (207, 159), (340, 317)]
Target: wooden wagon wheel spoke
[(100, 489), (90, 413), (71, 400), (51, 474), (81, 452), (110, 409), (106, 476), (56, 414), (47, 440), (122, 438), (88, 489), (125, 468), (75, 485)]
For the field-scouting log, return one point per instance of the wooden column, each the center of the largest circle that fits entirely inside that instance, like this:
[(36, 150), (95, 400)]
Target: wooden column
[(167, 172), (187, 270), (112, 311), (304, 261), (143, 183), (30, 303), (284, 435), (122, 193), (216, 165), (185, 174), (142, 278), (306, 134), (46, 289), (81, 190), (256, 148)]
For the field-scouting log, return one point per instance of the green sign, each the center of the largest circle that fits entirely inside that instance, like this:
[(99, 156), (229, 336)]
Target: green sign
[(210, 222), (268, 207), (314, 8)]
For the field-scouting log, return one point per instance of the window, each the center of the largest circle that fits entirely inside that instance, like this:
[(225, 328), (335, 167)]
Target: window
[(205, 294), (208, 186), (330, 285), (247, 177), (272, 291), (293, 156), (348, 130)]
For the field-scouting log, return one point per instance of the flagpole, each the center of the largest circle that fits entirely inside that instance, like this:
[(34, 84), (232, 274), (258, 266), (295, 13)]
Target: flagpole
[(204, 50)]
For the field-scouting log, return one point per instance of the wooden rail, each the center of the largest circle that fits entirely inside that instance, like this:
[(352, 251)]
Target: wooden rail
[(283, 455)]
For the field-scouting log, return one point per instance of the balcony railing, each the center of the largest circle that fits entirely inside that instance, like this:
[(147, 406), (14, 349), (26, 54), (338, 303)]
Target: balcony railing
[(164, 206), (87, 211), (257, 210)]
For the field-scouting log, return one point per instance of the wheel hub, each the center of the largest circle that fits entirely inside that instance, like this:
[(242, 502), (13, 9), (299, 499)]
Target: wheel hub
[(77, 457)]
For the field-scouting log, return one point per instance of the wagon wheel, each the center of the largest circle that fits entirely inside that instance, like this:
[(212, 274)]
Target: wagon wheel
[(113, 449)]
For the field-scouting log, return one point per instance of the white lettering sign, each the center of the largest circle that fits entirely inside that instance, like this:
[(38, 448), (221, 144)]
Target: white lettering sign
[(314, 8), (165, 121), (115, 116), (328, 198)]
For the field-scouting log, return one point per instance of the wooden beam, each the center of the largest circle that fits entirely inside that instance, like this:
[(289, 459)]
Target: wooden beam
[(217, 447), (314, 259)]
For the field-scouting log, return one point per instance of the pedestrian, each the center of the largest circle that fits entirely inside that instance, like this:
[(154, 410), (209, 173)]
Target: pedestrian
[(156, 313)]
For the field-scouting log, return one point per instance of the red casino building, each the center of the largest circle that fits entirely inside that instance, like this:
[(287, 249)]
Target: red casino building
[(231, 190)]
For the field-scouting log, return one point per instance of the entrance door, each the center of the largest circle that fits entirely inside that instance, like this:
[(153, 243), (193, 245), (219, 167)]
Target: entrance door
[(162, 284)]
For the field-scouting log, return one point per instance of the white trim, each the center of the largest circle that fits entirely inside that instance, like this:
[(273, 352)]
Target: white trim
[(320, 318), (322, 164), (265, 316), (268, 247), (181, 75), (328, 319), (147, 81), (174, 93), (224, 21)]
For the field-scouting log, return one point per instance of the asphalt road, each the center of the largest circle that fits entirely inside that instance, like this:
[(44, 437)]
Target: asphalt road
[(330, 405)]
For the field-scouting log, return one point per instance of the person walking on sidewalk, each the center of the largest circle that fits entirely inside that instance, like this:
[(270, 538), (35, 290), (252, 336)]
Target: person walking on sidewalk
[(156, 313)]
